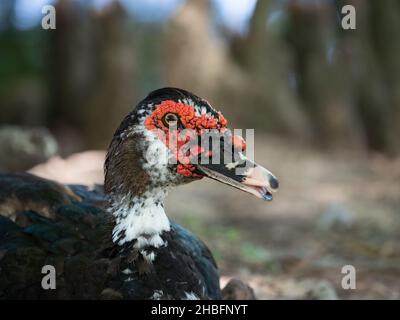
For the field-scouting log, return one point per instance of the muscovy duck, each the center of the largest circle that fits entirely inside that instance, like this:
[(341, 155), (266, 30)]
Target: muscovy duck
[(116, 242)]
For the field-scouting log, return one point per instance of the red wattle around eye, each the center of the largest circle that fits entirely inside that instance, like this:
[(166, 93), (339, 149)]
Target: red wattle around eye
[(189, 120), (186, 114)]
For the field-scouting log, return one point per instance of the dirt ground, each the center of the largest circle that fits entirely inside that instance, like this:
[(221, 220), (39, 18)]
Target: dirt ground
[(331, 210)]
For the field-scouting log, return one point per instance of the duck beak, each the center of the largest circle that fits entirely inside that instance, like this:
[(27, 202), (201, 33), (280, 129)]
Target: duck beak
[(243, 174)]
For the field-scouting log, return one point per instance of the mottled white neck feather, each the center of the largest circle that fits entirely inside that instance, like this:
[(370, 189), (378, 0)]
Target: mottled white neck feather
[(140, 218)]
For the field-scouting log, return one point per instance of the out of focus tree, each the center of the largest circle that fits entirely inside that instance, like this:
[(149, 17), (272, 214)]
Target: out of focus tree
[(295, 73), (324, 87), (93, 71), (341, 87), (374, 69), (197, 59), (23, 94), (267, 62)]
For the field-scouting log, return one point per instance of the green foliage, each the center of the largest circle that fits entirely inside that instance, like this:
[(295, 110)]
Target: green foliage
[(22, 54)]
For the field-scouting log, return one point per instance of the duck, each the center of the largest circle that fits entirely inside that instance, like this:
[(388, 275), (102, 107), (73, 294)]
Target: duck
[(115, 241)]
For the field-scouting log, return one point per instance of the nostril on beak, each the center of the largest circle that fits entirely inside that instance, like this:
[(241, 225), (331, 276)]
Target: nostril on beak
[(273, 182)]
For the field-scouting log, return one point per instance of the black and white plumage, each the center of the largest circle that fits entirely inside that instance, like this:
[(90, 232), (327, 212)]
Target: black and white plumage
[(117, 242)]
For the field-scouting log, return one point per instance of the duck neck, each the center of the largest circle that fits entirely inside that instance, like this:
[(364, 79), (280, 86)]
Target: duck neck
[(140, 220)]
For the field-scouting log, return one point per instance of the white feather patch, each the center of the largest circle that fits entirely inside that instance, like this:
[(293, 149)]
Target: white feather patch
[(142, 219), (190, 296)]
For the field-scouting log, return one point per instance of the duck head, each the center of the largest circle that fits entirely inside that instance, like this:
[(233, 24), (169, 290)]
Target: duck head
[(172, 137)]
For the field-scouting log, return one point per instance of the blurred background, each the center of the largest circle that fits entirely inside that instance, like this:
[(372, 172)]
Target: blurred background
[(324, 103)]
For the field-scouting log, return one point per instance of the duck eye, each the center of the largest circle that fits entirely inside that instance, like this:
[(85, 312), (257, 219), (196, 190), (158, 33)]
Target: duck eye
[(170, 119)]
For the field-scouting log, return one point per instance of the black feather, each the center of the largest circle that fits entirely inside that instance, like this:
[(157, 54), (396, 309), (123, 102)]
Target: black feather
[(75, 237)]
